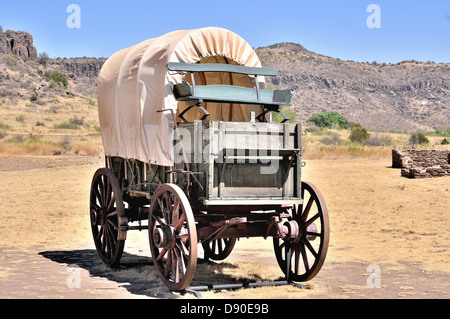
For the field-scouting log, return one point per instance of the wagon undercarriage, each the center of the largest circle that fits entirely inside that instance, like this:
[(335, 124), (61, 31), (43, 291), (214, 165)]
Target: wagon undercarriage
[(177, 224)]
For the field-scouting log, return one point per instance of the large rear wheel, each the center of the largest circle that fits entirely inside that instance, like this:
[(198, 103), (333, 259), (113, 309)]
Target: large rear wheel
[(107, 215)]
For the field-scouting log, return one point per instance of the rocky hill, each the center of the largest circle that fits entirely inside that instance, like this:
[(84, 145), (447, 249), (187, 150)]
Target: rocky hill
[(405, 96)]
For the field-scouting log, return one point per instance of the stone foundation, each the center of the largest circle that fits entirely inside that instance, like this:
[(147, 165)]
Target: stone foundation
[(422, 163)]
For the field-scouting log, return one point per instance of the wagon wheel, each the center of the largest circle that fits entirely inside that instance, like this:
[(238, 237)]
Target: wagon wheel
[(219, 249), (173, 236), (106, 211), (305, 256)]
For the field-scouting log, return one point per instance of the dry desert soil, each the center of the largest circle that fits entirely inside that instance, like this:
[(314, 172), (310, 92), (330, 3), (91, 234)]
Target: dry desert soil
[(379, 222)]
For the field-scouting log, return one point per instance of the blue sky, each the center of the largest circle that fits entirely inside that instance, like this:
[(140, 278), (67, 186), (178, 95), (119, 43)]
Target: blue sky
[(418, 30)]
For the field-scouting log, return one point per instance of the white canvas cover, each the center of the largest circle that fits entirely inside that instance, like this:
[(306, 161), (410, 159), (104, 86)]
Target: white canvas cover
[(134, 84)]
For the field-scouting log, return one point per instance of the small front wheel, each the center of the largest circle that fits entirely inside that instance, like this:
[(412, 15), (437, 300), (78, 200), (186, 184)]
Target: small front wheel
[(301, 259), (173, 236)]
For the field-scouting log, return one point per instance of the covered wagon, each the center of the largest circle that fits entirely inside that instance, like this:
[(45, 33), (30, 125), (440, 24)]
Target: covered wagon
[(192, 155)]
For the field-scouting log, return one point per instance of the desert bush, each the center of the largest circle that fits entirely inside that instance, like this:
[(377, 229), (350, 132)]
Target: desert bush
[(334, 140), (313, 129), (445, 142), (418, 138), (329, 119), (43, 58), (54, 109), (76, 121), (358, 133), (19, 138), (65, 143), (4, 127), (379, 140)]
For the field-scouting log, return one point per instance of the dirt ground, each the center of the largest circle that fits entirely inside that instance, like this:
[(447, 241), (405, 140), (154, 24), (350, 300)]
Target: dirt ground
[(389, 238)]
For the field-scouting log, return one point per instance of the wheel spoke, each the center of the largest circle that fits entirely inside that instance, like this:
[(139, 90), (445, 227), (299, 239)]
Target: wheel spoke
[(307, 208), (162, 254), (304, 256), (168, 266), (113, 224), (108, 193), (181, 267), (98, 197), (111, 202), (180, 223), (176, 275), (112, 214), (159, 220), (101, 186), (313, 234), (99, 234), (297, 259), (310, 247), (161, 206), (311, 220)]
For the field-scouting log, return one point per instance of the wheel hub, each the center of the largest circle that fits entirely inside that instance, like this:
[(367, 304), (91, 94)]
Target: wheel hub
[(293, 232), (289, 231), (164, 237), (99, 217)]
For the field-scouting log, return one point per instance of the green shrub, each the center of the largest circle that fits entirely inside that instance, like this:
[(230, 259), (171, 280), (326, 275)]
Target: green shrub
[(445, 142), (329, 119), (58, 78), (358, 133), (289, 112), (33, 97), (67, 126)]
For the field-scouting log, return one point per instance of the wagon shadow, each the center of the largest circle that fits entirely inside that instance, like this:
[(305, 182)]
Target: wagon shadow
[(137, 274)]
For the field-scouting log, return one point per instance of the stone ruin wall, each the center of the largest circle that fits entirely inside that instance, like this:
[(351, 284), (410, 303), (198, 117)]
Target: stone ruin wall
[(422, 163)]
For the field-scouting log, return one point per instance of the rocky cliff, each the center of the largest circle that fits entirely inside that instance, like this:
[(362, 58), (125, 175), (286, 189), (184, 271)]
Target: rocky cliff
[(80, 67), (19, 43)]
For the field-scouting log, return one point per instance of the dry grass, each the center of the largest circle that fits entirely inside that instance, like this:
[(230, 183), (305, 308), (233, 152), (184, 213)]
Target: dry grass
[(376, 216)]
